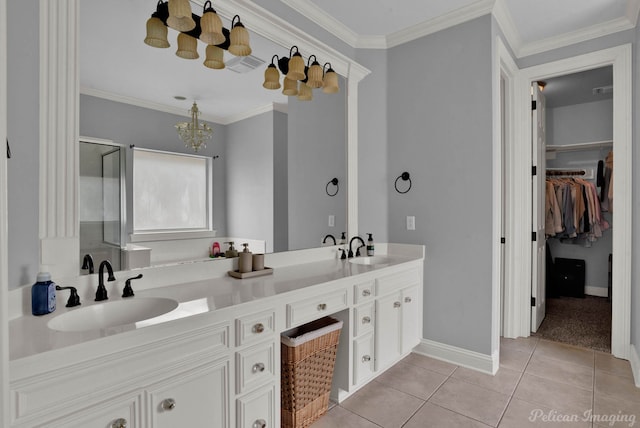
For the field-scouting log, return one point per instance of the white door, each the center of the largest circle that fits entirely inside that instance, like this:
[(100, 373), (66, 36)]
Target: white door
[(538, 283)]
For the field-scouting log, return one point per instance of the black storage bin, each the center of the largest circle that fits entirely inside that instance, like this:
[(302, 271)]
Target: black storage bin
[(568, 277)]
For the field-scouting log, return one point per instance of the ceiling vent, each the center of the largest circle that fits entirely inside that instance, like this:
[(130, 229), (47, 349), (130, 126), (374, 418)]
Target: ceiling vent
[(244, 64), (602, 90)]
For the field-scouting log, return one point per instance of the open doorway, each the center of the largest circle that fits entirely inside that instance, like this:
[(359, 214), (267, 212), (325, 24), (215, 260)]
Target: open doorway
[(575, 241)]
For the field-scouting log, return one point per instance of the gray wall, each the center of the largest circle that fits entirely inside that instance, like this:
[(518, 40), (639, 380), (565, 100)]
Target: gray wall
[(23, 134), (317, 154), (145, 128), (440, 131), (635, 266), (280, 182)]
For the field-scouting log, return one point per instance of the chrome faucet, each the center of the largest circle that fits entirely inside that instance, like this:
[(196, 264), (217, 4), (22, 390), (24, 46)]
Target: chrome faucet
[(324, 241), (101, 292), (358, 248), (87, 263)]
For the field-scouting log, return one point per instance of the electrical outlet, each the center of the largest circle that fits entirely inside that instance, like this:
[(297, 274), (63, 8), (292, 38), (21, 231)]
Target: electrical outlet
[(332, 220), (411, 222)]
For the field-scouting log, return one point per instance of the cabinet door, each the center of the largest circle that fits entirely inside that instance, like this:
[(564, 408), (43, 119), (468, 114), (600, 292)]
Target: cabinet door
[(388, 331), (411, 319), (196, 398), (114, 413)]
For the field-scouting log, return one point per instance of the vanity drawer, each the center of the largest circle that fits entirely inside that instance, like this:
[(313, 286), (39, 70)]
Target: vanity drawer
[(255, 366), (363, 319), (363, 292), (255, 327), (363, 361), (315, 307), (257, 409), (391, 283)]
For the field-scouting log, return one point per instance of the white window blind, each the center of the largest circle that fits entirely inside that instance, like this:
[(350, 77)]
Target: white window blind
[(171, 192)]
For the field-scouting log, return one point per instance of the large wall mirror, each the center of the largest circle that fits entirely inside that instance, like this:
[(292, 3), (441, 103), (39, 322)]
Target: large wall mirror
[(273, 156)]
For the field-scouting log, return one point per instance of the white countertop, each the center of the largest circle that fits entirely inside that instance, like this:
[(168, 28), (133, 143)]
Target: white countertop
[(29, 335)]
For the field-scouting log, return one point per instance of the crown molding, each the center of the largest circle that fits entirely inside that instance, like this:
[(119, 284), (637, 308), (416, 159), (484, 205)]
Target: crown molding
[(633, 9), (571, 38), (255, 112), (455, 17), (509, 29)]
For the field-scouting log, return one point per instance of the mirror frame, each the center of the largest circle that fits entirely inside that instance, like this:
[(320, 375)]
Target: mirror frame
[(59, 118)]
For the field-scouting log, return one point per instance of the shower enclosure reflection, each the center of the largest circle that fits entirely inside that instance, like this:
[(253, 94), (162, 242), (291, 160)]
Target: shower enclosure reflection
[(101, 202)]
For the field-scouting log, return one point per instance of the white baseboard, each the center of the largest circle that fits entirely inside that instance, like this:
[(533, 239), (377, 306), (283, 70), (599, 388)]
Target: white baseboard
[(459, 356), (596, 291), (634, 359)]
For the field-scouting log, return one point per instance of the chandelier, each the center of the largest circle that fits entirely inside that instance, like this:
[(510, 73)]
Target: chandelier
[(194, 133)]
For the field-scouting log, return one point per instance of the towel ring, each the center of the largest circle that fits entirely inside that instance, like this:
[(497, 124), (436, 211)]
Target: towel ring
[(405, 177), (333, 181)]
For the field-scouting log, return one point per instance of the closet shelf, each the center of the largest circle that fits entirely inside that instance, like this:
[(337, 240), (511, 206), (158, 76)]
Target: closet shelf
[(580, 146)]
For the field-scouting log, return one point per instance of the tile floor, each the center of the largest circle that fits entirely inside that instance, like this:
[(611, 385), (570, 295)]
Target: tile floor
[(539, 384)]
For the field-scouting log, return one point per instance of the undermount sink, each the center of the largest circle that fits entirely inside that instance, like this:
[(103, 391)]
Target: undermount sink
[(370, 260), (112, 314)]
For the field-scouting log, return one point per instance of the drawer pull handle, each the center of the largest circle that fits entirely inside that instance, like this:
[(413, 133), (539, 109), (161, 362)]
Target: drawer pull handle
[(397, 304), (260, 423), (407, 299), (258, 367), (322, 306), (366, 320), (119, 423), (168, 404), (366, 293), (366, 358), (258, 328)]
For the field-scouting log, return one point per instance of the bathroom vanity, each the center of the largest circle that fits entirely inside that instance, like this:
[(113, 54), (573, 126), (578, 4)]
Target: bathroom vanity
[(214, 360)]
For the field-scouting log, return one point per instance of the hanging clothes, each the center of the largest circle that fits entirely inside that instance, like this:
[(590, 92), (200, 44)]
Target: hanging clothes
[(606, 190)]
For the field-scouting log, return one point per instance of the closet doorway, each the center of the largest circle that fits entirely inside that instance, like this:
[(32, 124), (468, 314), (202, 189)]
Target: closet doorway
[(574, 245)]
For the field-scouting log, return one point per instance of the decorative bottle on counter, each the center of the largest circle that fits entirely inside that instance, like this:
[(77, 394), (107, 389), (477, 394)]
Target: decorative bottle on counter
[(43, 295), (231, 251), (370, 248), (245, 264)]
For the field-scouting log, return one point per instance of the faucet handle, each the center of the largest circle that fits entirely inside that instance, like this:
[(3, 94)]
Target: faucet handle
[(128, 291), (344, 255), (74, 299)]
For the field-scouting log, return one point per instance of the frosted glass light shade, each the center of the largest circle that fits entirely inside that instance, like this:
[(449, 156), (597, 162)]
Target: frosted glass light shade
[(187, 47), (156, 33), (315, 76), (180, 15), (214, 58), (305, 93), (330, 82), (290, 87), (271, 78), (296, 67), (239, 39), (211, 26)]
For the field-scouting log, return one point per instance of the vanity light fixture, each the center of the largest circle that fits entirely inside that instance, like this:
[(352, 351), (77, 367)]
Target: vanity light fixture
[(194, 133), (177, 14), (309, 77)]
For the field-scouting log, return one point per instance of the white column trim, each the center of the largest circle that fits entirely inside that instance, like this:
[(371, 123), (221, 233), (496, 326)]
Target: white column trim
[(620, 58), (4, 228), (59, 99)]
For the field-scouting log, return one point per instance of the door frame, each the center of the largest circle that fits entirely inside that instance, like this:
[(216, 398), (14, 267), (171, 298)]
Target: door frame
[(4, 228), (520, 194)]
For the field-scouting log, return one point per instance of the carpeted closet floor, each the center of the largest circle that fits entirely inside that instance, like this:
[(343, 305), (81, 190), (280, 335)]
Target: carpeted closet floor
[(582, 322)]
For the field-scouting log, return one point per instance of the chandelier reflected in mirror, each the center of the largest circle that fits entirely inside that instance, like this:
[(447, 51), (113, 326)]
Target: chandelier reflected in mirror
[(194, 133)]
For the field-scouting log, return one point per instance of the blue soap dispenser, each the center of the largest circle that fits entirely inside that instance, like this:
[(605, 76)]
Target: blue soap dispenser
[(43, 295)]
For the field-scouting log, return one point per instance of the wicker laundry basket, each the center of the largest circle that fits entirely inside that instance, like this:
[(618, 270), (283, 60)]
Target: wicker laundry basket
[(308, 355)]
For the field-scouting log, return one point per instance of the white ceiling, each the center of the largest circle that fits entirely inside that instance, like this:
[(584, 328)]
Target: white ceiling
[(115, 63)]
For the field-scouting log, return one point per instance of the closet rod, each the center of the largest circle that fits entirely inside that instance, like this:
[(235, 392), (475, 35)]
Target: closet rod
[(580, 146), (570, 172)]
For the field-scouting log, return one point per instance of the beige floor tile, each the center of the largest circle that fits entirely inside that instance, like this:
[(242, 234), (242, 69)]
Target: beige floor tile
[(522, 344), (382, 405), (412, 379), (430, 364), (561, 371), (514, 360), (504, 381), (616, 386), (609, 363), (432, 416), (564, 352), (609, 411), (555, 395), (339, 417), (470, 400), (521, 413)]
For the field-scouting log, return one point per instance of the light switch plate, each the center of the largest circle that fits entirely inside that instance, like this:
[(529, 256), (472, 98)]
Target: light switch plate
[(411, 222), (332, 220)]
